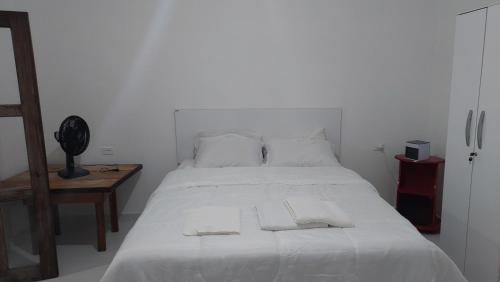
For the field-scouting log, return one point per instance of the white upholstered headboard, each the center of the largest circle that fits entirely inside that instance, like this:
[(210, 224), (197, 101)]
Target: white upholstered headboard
[(268, 122)]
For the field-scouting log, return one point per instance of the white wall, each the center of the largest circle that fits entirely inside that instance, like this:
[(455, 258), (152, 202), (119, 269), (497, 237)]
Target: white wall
[(12, 152), (125, 66)]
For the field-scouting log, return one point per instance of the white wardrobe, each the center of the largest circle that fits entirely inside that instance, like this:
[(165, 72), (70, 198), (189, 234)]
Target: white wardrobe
[(471, 198)]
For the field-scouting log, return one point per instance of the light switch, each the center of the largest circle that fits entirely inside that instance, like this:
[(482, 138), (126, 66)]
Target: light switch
[(107, 151)]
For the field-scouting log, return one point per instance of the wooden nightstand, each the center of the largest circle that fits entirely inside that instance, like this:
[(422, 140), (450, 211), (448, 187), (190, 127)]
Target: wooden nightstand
[(97, 187), (417, 192)]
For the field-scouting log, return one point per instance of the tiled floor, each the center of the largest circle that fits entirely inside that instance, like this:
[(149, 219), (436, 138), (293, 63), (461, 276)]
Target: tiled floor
[(78, 258), (76, 249), (433, 238)]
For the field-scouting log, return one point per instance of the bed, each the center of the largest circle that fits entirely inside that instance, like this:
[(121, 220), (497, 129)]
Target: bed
[(383, 246)]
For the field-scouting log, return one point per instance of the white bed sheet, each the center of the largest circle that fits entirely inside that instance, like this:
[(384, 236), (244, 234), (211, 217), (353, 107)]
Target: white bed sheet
[(382, 247)]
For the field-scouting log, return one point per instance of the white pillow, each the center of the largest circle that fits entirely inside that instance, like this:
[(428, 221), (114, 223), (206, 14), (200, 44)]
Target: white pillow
[(228, 150), (300, 152), (215, 133), (318, 133)]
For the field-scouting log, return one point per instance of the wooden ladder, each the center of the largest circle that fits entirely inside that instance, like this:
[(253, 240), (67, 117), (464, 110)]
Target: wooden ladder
[(38, 192)]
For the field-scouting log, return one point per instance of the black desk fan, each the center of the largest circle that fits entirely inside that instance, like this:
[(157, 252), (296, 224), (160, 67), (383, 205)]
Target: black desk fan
[(74, 136)]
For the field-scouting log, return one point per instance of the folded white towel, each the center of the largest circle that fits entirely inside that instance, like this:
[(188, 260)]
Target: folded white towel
[(308, 210), (274, 216), (212, 221)]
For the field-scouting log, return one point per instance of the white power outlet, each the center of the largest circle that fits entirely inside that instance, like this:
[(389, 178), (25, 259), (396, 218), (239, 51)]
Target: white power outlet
[(107, 151), (379, 148)]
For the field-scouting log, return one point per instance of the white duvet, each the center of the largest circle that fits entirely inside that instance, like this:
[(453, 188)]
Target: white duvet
[(382, 247)]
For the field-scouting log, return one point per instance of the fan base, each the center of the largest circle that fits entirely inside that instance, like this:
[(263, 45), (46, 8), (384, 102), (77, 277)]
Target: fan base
[(73, 172)]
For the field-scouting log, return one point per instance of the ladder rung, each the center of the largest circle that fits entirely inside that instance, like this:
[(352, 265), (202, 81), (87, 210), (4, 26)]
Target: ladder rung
[(10, 111), (4, 21)]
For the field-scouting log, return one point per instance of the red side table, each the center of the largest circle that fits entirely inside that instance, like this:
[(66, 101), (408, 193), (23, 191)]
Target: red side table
[(417, 192)]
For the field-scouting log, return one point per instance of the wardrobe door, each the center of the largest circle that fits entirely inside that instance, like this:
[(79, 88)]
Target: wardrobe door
[(483, 246), (469, 41)]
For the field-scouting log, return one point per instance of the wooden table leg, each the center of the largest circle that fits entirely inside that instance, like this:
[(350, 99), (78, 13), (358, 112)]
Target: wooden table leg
[(57, 223), (4, 261), (113, 212), (101, 228)]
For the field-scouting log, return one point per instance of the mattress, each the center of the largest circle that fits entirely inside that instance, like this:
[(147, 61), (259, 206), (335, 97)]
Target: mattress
[(383, 246)]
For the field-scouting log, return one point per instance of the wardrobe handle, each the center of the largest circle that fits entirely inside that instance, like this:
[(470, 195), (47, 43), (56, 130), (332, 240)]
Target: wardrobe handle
[(480, 127), (468, 124)]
